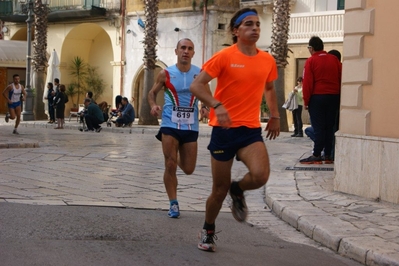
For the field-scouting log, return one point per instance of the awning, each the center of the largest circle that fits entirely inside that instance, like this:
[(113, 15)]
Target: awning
[(13, 52)]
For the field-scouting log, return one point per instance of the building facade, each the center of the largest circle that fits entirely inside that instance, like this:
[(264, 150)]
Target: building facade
[(176, 20), (106, 34), (367, 145), (89, 29)]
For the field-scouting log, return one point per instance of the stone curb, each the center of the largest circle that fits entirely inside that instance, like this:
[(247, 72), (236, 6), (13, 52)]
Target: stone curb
[(332, 232), (135, 129), (15, 145)]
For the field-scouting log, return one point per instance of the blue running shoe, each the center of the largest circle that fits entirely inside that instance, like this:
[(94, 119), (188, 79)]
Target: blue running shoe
[(174, 211)]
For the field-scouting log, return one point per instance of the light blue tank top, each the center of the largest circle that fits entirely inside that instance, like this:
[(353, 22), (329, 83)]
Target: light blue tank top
[(177, 94)]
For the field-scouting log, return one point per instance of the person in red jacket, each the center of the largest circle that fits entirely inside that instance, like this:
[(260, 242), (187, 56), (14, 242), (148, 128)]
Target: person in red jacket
[(321, 93)]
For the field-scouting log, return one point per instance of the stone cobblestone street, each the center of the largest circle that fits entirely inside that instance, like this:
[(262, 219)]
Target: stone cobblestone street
[(123, 167)]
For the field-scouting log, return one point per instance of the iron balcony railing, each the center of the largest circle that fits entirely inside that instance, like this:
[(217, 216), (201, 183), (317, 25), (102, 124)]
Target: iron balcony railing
[(14, 7), (260, 3), (328, 25)]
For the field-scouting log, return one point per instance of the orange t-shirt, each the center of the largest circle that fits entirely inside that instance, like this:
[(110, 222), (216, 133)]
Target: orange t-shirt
[(241, 83)]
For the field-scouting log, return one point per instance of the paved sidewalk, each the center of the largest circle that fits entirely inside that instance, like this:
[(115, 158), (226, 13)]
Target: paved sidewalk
[(362, 229)]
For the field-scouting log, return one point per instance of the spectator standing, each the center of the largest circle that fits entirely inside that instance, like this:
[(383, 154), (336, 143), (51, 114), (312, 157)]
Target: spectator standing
[(297, 113), (59, 104), (321, 92), (56, 86), (336, 127), (50, 101)]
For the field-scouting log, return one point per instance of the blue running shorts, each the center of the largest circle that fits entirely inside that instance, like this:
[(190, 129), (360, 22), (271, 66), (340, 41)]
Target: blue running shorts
[(14, 105), (183, 136), (225, 143)]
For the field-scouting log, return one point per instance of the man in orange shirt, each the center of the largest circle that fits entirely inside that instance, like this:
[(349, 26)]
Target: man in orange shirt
[(244, 74)]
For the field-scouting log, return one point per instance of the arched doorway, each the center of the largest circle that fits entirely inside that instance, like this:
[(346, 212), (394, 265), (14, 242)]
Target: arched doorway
[(92, 44), (15, 64), (138, 83)]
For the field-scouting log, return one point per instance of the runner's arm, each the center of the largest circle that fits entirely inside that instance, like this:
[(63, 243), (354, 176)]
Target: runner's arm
[(152, 95), (5, 93), (273, 126), (201, 90)]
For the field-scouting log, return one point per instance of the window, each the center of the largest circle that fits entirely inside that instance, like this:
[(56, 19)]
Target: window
[(340, 4)]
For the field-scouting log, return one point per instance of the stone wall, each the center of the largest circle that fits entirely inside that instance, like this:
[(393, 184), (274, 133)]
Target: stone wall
[(367, 144)]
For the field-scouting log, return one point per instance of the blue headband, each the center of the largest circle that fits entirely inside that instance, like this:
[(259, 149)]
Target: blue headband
[(242, 16)]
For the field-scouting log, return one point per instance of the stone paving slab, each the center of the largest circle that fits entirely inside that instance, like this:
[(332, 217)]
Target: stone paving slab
[(95, 204), (358, 228), (37, 202)]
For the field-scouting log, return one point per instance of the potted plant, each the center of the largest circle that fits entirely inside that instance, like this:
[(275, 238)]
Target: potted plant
[(71, 92), (264, 110), (78, 70), (94, 81)]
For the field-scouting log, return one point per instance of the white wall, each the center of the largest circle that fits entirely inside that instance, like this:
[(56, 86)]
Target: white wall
[(310, 6), (190, 25)]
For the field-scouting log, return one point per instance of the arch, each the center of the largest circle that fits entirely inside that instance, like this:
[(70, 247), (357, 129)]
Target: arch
[(138, 83), (21, 35), (92, 43)]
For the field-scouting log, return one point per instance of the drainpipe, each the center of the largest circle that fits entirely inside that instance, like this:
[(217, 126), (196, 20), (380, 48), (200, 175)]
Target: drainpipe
[(123, 12), (204, 30)]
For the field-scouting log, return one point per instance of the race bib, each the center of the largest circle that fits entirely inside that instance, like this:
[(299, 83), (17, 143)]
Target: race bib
[(183, 115)]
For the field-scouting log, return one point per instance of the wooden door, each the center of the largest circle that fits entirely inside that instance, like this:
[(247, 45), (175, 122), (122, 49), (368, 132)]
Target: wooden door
[(3, 84)]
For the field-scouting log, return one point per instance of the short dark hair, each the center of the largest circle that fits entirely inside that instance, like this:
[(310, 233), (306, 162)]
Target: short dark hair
[(57, 80), (51, 85), (62, 88), (299, 79), (15, 75), (183, 39), (90, 94), (316, 43), (233, 24), (336, 53), (125, 99)]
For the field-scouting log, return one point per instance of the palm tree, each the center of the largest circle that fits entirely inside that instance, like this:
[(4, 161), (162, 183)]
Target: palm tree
[(279, 49), (150, 56), (39, 56)]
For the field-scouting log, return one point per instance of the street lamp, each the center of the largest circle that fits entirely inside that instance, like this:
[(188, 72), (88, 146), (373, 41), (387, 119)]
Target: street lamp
[(27, 114)]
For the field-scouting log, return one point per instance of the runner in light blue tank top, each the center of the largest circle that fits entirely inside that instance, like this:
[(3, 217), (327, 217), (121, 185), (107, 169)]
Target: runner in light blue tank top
[(179, 127), (180, 110)]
